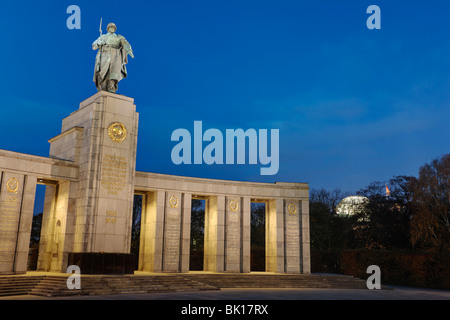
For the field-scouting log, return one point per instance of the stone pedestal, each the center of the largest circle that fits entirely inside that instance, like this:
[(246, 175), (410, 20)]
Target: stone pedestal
[(93, 213)]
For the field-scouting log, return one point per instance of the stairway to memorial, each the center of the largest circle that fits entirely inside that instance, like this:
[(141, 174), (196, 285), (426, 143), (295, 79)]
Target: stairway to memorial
[(18, 285), (55, 285), (265, 280)]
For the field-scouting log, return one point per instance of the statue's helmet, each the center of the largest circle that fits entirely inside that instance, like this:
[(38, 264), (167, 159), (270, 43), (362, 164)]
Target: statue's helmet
[(111, 25)]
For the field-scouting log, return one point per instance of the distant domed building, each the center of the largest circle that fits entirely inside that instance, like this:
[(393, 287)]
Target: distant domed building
[(350, 205)]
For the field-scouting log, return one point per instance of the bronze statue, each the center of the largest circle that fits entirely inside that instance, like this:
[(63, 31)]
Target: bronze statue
[(111, 59)]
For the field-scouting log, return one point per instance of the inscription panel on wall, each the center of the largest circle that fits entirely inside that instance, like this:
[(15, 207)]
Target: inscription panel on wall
[(292, 235), (172, 230), (10, 201), (114, 173), (233, 232)]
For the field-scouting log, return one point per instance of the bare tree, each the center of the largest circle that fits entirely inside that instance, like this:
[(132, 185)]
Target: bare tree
[(328, 198), (430, 223)]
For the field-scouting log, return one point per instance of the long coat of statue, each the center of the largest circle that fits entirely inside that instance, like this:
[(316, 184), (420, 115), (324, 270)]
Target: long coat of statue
[(111, 59)]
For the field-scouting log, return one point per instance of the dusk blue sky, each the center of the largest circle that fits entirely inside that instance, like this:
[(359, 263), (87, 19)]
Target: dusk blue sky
[(353, 105)]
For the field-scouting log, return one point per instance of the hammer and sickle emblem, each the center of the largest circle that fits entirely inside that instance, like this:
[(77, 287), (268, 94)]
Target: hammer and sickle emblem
[(117, 132)]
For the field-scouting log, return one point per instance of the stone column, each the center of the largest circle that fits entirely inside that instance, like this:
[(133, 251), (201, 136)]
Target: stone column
[(275, 236), (47, 232), (305, 241), (17, 193), (185, 231), (10, 202), (172, 232), (233, 234), (214, 234), (246, 234), (237, 234), (152, 231), (58, 226)]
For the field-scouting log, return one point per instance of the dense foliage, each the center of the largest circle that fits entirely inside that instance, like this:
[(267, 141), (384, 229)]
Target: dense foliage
[(412, 220)]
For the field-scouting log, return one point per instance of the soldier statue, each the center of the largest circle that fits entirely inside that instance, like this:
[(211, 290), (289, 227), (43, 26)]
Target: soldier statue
[(112, 56)]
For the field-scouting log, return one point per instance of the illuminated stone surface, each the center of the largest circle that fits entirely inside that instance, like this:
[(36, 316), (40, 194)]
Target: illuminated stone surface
[(90, 181)]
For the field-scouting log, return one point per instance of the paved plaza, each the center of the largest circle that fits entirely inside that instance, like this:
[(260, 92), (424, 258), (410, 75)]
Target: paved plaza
[(397, 293)]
